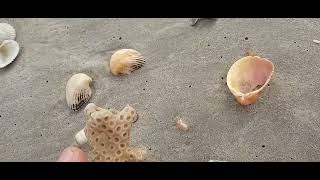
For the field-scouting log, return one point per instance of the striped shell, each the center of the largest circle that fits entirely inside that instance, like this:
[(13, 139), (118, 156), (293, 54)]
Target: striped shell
[(125, 61), (7, 32), (78, 91)]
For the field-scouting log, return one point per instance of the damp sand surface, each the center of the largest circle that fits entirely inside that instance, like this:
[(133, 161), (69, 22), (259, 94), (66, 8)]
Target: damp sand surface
[(185, 76)]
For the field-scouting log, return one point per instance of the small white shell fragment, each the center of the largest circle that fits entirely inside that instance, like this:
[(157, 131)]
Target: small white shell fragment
[(182, 125), (78, 91), (216, 161), (9, 50), (316, 41), (7, 32), (81, 137)]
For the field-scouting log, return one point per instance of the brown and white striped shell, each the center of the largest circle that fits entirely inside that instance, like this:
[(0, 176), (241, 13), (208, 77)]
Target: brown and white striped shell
[(125, 61), (78, 91)]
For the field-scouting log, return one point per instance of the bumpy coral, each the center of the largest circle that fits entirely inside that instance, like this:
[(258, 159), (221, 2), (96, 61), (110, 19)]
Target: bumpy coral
[(108, 133)]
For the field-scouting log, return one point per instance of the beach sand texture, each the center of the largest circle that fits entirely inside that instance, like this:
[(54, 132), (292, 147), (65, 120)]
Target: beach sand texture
[(184, 75)]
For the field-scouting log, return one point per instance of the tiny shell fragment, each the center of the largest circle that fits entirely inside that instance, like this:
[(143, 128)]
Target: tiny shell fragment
[(182, 125), (316, 41)]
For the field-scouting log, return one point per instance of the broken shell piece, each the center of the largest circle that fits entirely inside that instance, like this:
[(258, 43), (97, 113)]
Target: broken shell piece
[(316, 41), (81, 137), (9, 50), (182, 125), (108, 135), (247, 78), (194, 21), (125, 61), (78, 91), (7, 32)]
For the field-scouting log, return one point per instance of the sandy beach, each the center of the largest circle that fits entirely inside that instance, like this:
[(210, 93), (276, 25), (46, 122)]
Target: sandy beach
[(184, 75)]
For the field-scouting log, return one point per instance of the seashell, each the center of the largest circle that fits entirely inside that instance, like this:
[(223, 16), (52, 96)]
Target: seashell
[(247, 78), (7, 32), (81, 137), (9, 50), (125, 61), (78, 91)]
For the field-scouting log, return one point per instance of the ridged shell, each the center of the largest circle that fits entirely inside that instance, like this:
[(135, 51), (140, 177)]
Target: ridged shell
[(247, 78), (78, 91), (125, 61), (7, 32), (9, 50)]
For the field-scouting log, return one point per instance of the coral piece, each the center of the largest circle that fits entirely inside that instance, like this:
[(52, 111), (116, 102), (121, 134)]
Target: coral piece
[(108, 134)]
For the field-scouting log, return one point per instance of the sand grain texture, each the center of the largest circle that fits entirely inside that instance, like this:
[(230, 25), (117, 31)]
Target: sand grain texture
[(182, 76)]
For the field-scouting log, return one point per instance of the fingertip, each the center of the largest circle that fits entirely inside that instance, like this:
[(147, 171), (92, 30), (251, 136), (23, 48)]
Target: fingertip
[(72, 154)]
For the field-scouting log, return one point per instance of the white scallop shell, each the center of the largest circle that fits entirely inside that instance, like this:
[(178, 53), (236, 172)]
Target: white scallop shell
[(7, 32), (78, 91), (9, 50)]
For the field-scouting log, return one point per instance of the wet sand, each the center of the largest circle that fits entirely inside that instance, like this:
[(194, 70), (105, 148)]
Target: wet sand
[(185, 75)]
